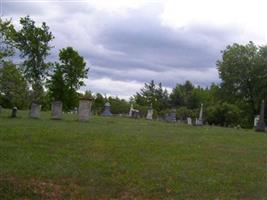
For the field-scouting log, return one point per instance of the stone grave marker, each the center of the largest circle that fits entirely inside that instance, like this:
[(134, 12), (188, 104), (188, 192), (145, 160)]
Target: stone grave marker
[(107, 109), (56, 110), (256, 120), (84, 110), (171, 117), (14, 112), (199, 121), (261, 124), (35, 111), (149, 115), (189, 121), (131, 111), (135, 113)]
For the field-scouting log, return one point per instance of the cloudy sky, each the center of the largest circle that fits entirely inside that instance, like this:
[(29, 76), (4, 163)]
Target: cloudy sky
[(129, 42)]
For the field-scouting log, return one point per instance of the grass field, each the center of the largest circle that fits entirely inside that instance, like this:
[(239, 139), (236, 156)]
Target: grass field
[(120, 158)]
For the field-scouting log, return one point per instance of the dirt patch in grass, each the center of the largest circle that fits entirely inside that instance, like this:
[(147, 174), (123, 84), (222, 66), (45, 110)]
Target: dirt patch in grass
[(12, 188), (16, 188)]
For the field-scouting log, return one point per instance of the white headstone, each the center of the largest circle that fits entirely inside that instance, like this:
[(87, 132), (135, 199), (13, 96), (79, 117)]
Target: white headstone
[(35, 110), (199, 121), (131, 111), (256, 120), (56, 109), (149, 115), (189, 121), (84, 110)]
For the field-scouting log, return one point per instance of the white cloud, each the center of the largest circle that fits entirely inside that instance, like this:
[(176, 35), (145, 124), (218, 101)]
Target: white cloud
[(248, 15), (128, 42), (122, 89)]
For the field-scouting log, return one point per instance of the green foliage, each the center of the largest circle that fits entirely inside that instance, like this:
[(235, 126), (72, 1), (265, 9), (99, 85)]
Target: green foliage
[(224, 114), (73, 68), (119, 106), (153, 94), (182, 113), (33, 43), (67, 78), (13, 87), (243, 70), (98, 104), (6, 48), (187, 95)]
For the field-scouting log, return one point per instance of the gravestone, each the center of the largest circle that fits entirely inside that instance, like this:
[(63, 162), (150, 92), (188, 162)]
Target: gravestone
[(171, 117), (189, 121), (84, 109), (56, 110), (199, 121), (107, 108), (14, 112), (131, 111), (256, 120), (149, 115), (261, 125), (135, 113), (35, 110)]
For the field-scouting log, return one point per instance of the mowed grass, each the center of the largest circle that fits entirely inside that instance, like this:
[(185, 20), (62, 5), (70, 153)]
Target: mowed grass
[(120, 158)]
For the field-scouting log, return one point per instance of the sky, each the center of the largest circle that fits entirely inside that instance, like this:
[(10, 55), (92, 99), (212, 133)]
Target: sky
[(129, 42)]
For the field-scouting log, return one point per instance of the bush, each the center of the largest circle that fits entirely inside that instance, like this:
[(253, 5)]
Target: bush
[(182, 113), (223, 114)]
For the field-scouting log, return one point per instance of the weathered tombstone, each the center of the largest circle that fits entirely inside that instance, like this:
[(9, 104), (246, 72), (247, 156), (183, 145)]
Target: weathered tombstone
[(171, 117), (135, 113), (189, 121), (256, 120), (56, 110), (149, 115), (107, 108), (84, 109), (199, 121), (14, 112), (261, 125), (35, 110), (131, 111)]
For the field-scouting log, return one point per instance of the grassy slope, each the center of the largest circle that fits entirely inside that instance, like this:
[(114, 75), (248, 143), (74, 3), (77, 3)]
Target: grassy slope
[(123, 158)]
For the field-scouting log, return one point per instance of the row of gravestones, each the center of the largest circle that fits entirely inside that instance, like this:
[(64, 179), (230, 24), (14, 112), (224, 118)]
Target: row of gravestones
[(84, 110), (170, 117)]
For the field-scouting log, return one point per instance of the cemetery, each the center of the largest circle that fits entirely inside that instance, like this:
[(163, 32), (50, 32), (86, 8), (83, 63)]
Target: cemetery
[(59, 139), (97, 157)]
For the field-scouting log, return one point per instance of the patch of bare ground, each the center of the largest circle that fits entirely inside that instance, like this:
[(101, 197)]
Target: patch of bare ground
[(17, 188)]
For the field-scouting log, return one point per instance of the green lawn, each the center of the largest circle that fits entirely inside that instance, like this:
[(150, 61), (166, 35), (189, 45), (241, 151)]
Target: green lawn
[(120, 158)]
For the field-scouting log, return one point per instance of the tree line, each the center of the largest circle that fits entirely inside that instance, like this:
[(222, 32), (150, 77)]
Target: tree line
[(235, 100)]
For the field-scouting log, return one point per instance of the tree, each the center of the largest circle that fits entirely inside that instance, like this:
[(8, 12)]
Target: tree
[(33, 43), (13, 87), (118, 106), (68, 77), (223, 114), (153, 94), (6, 48), (98, 104), (188, 95), (243, 70)]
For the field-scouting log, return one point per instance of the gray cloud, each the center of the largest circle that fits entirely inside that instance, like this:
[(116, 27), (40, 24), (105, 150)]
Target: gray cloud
[(135, 47)]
